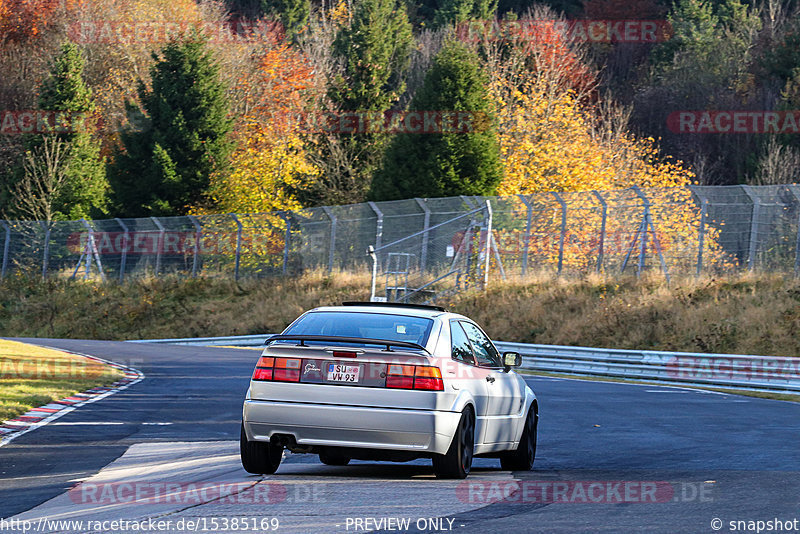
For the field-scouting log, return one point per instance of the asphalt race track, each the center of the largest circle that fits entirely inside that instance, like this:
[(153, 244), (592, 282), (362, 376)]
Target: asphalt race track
[(611, 458)]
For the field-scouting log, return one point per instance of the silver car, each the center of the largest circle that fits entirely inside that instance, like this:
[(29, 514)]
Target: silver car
[(391, 382)]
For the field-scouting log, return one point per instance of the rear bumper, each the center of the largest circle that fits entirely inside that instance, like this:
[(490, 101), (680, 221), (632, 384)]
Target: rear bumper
[(426, 431)]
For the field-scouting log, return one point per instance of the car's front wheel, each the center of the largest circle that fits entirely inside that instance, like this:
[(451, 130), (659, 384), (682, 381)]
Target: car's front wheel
[(258, 457), (458, 460), (523, 457)]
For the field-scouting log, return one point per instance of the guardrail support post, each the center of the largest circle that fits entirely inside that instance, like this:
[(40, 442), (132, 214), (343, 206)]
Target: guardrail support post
[(237, 259), (198, 235), (160, 244), (751, 254), (423, 260), (46, 256), (6, 246), (602, 244), (527, 242), (332, 251), (287, 237), (562, 236), (125, 240)]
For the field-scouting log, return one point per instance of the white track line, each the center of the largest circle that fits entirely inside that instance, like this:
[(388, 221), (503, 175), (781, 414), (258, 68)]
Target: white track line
[(67, 409)]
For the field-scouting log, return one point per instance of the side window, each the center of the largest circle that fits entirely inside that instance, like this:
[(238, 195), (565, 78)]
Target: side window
[(485, 353), (462, 351)]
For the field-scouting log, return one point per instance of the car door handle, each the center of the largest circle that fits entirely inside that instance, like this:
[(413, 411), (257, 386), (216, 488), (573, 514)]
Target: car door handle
[(490, 379)]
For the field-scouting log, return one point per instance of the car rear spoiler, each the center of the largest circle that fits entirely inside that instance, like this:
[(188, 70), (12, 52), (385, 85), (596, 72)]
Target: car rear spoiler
[(388, 343)]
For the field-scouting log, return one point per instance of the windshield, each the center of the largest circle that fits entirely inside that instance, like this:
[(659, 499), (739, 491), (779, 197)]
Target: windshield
[(365, 325)]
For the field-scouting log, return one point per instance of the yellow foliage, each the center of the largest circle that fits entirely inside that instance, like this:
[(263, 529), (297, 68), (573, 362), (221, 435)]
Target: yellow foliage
[(550, 142), (264, 169), (271, 160), (340, 14), (547, 144)]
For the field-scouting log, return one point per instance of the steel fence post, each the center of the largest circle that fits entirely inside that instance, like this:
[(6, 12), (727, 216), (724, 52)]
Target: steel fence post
[(488, 250), (644, 226), (793, 188), (332, 250), (378, 223), (426, 222), (125, 240), (237, 259), (198, 235), (701, 234), (468, 202), (46, 257), (6, 246), (526, 243), (159, 244), (286, 216), (92, 251), (751, 253), (602, 245), (563, 234)]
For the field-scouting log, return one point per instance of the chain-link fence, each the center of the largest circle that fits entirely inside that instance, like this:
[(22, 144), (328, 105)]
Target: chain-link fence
[(674, 231)]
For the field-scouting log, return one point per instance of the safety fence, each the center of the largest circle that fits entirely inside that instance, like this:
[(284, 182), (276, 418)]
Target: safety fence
[(671, 230)]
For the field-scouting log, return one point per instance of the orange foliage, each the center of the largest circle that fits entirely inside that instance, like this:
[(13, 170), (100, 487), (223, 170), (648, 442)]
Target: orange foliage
[(24, 20), (270, 161)]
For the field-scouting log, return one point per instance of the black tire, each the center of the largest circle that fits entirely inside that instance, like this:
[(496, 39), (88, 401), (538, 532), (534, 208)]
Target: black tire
[(523, 457), (458, 460), (258, 457), (329, 457)]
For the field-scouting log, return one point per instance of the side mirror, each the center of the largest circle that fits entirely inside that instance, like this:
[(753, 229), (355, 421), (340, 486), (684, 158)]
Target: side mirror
[(512, 359)]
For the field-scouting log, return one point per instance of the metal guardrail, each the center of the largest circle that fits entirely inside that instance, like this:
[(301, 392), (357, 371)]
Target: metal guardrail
[(760, 373)]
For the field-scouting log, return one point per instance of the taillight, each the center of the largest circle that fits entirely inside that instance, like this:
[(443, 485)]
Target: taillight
[(414, 377), (262, 374), (400, 376), (286, 370), (428, 378), (344, 354), (281, 369)]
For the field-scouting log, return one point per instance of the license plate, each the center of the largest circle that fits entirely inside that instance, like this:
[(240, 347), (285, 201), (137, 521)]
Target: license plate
[(342, 373)]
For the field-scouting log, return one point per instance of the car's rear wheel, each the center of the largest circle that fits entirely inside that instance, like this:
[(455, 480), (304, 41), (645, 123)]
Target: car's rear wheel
[(258, 457), (523, 457), (332, 457), (458, 460)]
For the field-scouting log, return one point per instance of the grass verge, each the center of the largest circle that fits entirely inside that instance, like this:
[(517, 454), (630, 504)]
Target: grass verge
[(736, 314), (32, 376)]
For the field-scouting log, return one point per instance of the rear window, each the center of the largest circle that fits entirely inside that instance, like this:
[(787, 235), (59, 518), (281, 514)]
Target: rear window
[(366, 325)]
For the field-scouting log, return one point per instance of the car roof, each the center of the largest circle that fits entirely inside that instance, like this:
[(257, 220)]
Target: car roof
[(384, 309)]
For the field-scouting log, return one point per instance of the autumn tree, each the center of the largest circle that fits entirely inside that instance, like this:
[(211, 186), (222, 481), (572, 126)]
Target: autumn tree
[(165, 168), (372, 53), (24, 20), (431, 164), (270, 165)]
